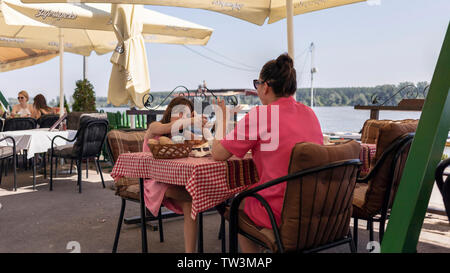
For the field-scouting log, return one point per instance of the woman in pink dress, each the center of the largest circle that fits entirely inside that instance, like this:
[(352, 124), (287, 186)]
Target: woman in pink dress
[(175, 198), (270, 132)]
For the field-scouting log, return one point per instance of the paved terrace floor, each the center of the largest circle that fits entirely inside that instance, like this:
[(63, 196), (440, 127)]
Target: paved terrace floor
[(41, 221)]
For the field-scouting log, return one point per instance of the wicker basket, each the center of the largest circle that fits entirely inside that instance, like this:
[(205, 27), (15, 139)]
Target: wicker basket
[(170, 151)]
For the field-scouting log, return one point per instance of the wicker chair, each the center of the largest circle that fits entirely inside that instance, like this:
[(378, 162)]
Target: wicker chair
[(119, 142), (375, 192), (444, 186), (317, 203), (131, 141)]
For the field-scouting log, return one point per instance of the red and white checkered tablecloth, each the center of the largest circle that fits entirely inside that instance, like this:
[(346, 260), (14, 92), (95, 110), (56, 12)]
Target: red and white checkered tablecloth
[(366, 155), (204, 178)]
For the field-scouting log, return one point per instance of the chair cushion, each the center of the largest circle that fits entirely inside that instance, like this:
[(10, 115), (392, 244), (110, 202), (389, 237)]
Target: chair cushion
[(371, 129), (296, 233), (64, 151), (316, 197), (377, 186), (246, 225), (130, 191), (6, 151)]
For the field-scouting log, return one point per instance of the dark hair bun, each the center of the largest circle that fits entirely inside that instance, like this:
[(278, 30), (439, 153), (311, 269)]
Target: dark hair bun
[(284, 60), (280, 74)]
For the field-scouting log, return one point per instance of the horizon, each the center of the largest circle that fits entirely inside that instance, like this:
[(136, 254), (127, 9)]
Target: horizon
[(367, 44)]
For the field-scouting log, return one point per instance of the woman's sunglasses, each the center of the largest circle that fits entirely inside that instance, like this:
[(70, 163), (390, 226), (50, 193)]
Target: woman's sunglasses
[(256, 83), (19, 98)]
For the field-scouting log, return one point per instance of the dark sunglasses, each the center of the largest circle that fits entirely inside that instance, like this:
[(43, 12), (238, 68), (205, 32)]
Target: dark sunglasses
[(256, 83), (20, 98)]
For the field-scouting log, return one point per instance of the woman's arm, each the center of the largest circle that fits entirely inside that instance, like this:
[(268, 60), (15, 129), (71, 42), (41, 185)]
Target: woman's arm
[(219, 152), (14, 109), (35, 114)]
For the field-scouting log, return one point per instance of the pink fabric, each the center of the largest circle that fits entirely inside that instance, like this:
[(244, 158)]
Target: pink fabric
[(297, 123), (154, 193)]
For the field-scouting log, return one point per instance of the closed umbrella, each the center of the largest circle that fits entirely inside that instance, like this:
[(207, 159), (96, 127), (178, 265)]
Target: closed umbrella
[(130, 69)]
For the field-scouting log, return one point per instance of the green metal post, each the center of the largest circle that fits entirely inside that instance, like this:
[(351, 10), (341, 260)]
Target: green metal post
[(411, 201)]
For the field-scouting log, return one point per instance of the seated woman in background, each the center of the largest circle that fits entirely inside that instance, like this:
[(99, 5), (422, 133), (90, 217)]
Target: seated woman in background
[(41, 107), (23, 109), (175, 198), (287, 122)]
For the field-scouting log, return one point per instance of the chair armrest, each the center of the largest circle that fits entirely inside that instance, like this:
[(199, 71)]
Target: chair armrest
[(66, 139), (14, 144), (398, 144), (440, 172)]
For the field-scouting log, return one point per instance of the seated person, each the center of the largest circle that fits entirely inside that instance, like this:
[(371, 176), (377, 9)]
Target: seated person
[(176, 198), (41, 107), (287, 122), (23, 109)]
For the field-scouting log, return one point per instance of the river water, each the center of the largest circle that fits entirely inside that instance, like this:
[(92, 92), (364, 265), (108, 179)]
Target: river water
[(336, 119)]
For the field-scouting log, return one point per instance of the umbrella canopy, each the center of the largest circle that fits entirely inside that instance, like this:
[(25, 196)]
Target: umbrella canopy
[(254, 11), (94, 23), (130, 69), (15, 58), (77, 41), (96, 17)]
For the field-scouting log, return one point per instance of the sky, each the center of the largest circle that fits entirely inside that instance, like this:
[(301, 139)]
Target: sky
[(363, 44)]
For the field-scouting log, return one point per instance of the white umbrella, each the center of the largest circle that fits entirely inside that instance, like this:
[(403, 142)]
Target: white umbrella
[(254, 11), (162, 28)]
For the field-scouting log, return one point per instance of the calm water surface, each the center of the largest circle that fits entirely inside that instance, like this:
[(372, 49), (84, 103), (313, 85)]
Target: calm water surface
[(339, 118)]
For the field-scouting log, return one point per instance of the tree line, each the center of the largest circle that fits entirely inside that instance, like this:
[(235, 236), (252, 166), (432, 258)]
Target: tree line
[(389, 94)]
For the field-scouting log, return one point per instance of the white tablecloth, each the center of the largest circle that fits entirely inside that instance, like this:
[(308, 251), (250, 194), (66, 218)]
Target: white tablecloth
[(36, 140)]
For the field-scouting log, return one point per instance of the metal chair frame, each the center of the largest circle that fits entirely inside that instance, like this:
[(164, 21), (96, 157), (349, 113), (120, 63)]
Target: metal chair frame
[(14, 156), (146, 214), (444, 186), (397, 147), (234, 228), (80, 156)]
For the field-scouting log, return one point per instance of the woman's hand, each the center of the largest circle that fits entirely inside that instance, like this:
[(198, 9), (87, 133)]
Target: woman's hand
[(199, 118), (221, 114)]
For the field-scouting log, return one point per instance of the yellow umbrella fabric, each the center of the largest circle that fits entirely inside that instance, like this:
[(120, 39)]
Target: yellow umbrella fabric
[(254, 11), (130, 69), (15, 58), (96, 17)]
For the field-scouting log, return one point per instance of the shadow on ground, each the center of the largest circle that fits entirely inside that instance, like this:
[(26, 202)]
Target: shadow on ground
[(41, 221)]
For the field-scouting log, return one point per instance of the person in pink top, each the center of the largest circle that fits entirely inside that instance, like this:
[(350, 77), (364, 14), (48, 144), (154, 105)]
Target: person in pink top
[(269, 131), (175, 198)]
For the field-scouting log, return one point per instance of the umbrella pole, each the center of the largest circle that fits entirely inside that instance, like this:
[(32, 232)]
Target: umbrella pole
[(61, 66), (290, 27), (290, 31)]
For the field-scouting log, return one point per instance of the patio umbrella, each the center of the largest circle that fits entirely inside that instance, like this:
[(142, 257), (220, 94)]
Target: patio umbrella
[(162, 28), (15, 58), (254, 11), (95, 17)]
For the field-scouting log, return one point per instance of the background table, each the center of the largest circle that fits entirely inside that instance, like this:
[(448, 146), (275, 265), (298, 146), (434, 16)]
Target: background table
[(36, 141)]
